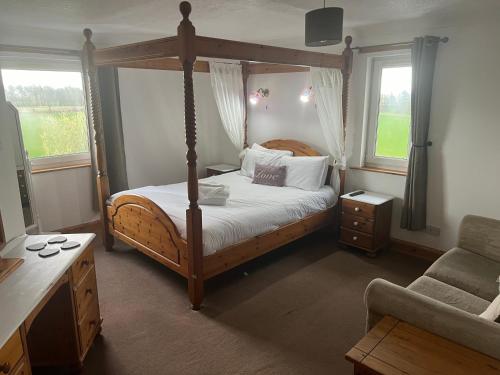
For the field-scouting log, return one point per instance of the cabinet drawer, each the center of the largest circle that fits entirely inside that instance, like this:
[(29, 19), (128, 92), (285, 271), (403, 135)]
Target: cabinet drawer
[(358, 223), (82, 265), (88, 326), (22, 369), (11, 353), (358, 208), (86, 293), (357, 239)]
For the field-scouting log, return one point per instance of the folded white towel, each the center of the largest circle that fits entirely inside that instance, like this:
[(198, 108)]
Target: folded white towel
[(212, 194)]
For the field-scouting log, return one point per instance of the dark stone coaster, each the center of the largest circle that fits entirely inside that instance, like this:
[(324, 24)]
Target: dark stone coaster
[(58, 239), (70, 245), (36, 246), (48, 252)]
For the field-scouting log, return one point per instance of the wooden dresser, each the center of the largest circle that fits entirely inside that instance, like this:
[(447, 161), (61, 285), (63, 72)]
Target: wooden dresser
[(366, 221), (49, 308), (215, 170)]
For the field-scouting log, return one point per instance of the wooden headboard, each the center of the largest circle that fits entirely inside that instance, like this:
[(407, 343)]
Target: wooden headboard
[(298, 148)]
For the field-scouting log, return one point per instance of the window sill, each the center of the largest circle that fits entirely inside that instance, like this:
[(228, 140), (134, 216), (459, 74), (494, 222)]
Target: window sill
[(380, 170), (60, 168)]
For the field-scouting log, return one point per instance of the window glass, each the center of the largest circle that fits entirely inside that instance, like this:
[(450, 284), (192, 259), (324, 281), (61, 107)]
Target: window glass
[(51, 109), (394, 114)]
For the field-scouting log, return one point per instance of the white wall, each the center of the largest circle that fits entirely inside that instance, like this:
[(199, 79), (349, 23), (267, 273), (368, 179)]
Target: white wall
[(10, 199), (64, 198), (464, 175), (153, 125)]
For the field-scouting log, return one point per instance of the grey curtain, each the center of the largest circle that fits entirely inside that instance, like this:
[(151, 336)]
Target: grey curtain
[(423, 58), (113, 131)]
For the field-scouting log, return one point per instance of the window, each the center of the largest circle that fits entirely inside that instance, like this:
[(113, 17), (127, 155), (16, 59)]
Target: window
[(389, 112), (51, 108)]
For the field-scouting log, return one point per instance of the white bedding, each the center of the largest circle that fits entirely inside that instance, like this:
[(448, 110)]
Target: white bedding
[(250, 210)]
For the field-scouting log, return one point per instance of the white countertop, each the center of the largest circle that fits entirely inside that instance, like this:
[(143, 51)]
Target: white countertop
[(369, 197), (23, 289)]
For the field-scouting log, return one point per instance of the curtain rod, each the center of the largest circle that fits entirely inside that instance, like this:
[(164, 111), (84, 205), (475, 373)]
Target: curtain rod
[(390, 46), (41, 50)]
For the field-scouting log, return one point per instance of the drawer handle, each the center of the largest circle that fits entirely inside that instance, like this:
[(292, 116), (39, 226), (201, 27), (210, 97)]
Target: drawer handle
[(92, 323), (355, 223), (84, 263), (357, 209), (88, 291), (5, 368), (354, 238)]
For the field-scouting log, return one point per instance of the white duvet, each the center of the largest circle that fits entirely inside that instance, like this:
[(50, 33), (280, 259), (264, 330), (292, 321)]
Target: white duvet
[(250, 210)]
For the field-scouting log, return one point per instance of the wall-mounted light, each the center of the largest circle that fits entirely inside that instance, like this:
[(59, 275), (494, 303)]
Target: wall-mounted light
[(305, 97), (255, 97)]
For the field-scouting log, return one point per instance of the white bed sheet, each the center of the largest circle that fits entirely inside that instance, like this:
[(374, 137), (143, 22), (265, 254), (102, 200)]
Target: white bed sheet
[(250, 210)]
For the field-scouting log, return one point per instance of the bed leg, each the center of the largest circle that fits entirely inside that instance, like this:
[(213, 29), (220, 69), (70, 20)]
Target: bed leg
[(195, 293), (109, 241)]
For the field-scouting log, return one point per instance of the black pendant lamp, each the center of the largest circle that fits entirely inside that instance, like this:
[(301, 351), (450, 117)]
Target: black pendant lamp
[(324, 26)]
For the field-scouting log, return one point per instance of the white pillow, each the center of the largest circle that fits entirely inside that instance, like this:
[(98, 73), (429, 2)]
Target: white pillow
[(258, 147), (253, 157), (492, 313), (305, 172)]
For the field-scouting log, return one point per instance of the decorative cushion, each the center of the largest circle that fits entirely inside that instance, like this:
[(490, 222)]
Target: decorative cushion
[(492, 312), (258, 147), (262, 157), (467, 271), (305, 172), (448, 294), (269, 175)]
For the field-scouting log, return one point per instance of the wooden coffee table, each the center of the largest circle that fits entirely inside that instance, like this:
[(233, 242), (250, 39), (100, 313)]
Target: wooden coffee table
[(396, 347)]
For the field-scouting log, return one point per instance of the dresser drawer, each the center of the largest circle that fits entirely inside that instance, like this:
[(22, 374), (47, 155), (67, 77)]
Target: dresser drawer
[(359, 223), (86, 293), (82, 265), (356, 208), (88, 326), (22, 369), (357, 239), (11, 353)]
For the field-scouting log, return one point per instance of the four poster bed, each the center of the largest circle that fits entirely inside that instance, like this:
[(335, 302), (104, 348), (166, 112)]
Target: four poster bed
[(140, 221)]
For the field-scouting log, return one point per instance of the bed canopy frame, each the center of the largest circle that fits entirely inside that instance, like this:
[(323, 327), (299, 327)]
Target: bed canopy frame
[(187, 47)]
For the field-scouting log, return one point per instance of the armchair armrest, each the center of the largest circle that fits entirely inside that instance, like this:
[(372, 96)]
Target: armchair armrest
[(481, 236), (384, 298)]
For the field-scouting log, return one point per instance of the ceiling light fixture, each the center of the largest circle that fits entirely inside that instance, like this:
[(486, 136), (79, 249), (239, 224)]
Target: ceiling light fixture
[(324, 26)]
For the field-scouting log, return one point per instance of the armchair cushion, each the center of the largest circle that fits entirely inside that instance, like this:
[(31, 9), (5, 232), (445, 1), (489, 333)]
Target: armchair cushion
[(448, 294), (480, 235), (468, 271)]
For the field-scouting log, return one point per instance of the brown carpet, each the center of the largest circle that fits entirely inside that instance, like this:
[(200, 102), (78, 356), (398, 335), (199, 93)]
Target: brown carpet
[(294, 311)]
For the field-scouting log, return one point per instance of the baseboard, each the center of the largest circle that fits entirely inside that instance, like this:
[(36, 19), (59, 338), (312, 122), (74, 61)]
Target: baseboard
[(416, 250), (90, 227)]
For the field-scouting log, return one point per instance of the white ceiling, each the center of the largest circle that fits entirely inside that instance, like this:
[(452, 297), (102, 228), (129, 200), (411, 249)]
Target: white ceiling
[(267, 21)]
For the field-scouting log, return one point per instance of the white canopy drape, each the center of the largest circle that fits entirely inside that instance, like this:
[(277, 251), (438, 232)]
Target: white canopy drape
[(327, 86), (227, 84)]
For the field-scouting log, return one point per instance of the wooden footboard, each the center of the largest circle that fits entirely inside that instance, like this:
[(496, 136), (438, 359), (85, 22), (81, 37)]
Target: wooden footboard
[(140, 223)]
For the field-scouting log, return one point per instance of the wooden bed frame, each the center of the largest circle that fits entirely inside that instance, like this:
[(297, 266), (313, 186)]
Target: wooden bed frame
[(138, 221)]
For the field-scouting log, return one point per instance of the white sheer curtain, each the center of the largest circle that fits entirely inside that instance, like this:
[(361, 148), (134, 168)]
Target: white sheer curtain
[(227, 83), (327, 86)]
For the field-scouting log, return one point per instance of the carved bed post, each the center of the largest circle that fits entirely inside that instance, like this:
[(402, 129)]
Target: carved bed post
[(245, 73), (346, 74), (95, 120), (187, 56)]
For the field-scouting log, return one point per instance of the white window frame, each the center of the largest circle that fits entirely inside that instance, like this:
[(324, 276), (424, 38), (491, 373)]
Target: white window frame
[(30, 61), (375, 66)]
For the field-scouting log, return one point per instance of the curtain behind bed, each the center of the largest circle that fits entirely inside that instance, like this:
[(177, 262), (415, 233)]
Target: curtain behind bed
[(227, 84), (327, 86), (113, 132)]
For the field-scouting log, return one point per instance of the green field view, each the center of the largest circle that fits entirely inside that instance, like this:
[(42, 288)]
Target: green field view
[(393, 133), (53, 132)]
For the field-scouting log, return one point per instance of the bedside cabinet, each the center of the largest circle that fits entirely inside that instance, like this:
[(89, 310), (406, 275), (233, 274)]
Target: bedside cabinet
[(215, 170), (366, 221)]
